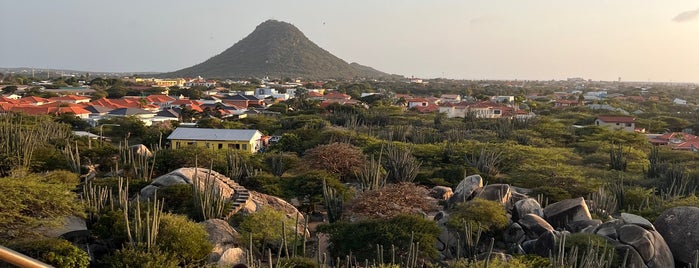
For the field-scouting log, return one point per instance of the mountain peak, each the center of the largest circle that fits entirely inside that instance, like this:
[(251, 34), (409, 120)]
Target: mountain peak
[(276, 49)]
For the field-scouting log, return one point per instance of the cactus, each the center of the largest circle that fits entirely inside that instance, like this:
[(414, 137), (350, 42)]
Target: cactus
[(617, 158), (372, 176), (401, 164), (333, 203), (487, 162), (208, 201)]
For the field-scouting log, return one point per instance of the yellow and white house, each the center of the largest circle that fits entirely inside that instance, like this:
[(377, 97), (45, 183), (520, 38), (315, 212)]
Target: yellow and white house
[(249, 140)]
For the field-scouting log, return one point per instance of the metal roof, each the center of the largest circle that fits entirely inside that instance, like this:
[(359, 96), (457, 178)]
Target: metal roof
[(210, 134)]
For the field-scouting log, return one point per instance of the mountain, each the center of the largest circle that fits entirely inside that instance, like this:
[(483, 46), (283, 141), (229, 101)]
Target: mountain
[(276, 49)]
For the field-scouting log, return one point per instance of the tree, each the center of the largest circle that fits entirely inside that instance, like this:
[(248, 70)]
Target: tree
[(309, 187), (9, 89), (340, 158), (35, 201), (392, 200)]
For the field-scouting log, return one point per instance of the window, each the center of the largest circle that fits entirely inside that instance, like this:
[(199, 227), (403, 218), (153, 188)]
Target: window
[(177, 145), (496, 111), (628, 124), (208, 145), (230, 146), (237, 146), (245, 146), (617, 124), (220, 146), (191, 143)]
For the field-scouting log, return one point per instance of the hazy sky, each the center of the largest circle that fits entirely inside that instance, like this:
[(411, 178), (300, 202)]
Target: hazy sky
[(637, 40)]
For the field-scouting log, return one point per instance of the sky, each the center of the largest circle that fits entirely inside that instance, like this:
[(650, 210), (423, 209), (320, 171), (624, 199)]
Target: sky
[(635, 40)]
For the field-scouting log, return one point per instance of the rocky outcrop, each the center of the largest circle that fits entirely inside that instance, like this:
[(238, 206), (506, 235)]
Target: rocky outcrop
[(465, 188), (225, 240), (680, 228), (189, 176), (496, 192), (140, 150), (638, 241), (534, 226), (562, 212), (527, 206)]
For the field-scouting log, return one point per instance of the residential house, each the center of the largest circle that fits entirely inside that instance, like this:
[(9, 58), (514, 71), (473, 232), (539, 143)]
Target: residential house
[(503, 99), (679, 101), (566, 103), (161, 101), (248, 140), (482, 109), (71, 99), (452, 98), (626, 123), (676, 141)]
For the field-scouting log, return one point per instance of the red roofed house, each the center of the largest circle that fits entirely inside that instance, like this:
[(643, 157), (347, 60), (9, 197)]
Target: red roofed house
[(626, 123), (160, 100), (34, 100), (677, 141), (336, 96)]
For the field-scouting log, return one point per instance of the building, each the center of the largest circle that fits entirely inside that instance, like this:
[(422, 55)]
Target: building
[(626, 123), (248, 140)]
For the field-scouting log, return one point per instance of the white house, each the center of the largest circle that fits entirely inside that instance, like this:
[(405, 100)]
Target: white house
[(679, 101), (626, 123)]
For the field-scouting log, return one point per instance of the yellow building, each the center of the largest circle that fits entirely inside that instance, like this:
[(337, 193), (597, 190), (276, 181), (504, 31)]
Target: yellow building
[(248, 140), (162, 82)]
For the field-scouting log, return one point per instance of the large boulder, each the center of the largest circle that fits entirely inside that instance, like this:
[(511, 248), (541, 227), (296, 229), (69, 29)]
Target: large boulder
[(562, 212), (231, 257), (441, 192), (190, 176), (679, 227), (259, 201), (223, 237), (638, 241), (534, 226), (140, 150), (496, 192), (465, 188), (527, 206)]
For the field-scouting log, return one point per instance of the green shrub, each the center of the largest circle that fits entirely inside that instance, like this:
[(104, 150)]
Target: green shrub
[(490, 215), (184, 239), (361, 237), (177, 198), (53, 251), (298, 262), (135, 257), (637, 197), (61, 177), (265, 225)]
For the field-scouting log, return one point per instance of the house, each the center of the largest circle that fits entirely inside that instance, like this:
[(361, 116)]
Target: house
[(676, 141), (503, 99), (71, 99), (679, 101), (453, 98), (566, 103), (626, 123), (249, 140)]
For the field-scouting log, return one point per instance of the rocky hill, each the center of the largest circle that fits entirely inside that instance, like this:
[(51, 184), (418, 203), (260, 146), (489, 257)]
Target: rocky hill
[(277, 49)]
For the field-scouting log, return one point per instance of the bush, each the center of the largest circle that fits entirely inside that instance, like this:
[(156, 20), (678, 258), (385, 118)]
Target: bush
[(184, 239), (265, 225), (298, 262), (177, 199), (53, 251), (361, 237), (134, 257), (490, 215)]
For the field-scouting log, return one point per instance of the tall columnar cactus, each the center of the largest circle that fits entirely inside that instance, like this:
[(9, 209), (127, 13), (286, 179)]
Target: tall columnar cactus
[(21, 135), (654, 163), (333, 203), (617, 158), (372, 176), (142, 230), (208, 201)]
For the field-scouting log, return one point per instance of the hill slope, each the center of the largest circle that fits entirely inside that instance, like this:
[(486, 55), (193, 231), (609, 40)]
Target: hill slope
[(276, 49)]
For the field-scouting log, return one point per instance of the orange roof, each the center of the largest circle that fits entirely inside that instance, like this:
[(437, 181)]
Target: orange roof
[(33, 99), (8, 100), (186, 102), (337, 95), (160, 98), (616, 119), (315, 94)]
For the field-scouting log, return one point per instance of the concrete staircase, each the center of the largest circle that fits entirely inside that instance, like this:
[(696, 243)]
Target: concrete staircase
[(238, 199)]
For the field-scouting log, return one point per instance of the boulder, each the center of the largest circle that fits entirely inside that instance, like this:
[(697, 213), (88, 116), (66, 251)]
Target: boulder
[(231, 257), (679, 227), (465, 188), (527, 206), (643, 246), (222, 236), (140, 150), (441, 192), (578, 226), (534, 226), (546, 243), (562, 212), (496, 192), (514, 234), (258, 201), (190, 176)]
